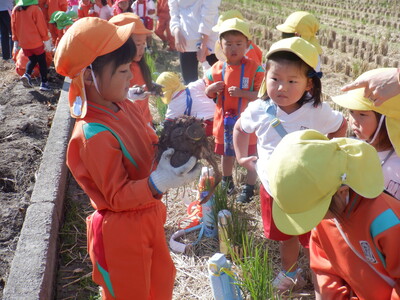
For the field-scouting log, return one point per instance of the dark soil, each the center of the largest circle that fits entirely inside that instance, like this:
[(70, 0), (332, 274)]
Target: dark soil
[(25, 116)]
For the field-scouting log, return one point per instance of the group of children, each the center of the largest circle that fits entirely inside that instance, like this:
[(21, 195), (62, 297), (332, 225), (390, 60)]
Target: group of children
[(38, 25), (272, 121)]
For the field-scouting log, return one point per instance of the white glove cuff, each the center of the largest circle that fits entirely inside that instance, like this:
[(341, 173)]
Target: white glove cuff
[(157, 181)]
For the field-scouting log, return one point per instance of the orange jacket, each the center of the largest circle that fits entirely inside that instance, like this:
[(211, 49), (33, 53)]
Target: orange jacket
[(373, 228), (83, 11), (252, 78), (56, 5), (44, 7), (254, 53), (163, 9), (139, 80), (29, 27)]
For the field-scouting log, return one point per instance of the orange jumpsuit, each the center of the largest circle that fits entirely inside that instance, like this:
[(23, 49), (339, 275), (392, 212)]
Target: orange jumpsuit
[(373, 228), (163, 24), (29, 27), (251, 81), (111, 155), (255, 53), (83, 11), (55, 5), (139, 80)]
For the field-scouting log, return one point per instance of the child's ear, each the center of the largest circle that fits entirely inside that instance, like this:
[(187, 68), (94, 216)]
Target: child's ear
[(309, 85), (87, 77)]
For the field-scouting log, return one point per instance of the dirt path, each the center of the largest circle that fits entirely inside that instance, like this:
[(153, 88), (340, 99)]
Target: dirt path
[(25, 117)]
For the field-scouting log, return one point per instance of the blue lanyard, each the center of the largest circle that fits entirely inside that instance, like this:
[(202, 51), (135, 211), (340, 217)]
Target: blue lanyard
[(189, 102), (241, 83)]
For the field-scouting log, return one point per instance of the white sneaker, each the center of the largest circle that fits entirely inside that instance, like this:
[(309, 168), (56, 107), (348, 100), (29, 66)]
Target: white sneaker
[(283, 283)]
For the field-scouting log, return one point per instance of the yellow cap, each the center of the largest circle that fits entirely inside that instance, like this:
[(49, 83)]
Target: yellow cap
[(226, 16), (304, 24), (303, 184), (299, 46), (237, 25), (355, 100), (171, 84)]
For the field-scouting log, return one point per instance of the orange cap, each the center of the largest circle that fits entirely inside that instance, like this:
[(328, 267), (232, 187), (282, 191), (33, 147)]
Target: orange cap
[(83, 42), (127, 18)]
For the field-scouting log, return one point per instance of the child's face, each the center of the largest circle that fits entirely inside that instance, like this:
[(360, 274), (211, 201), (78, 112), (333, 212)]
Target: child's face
[(140, 43), (286, 84), (123, 5), (363, 123), (234, 46), (114, 86)]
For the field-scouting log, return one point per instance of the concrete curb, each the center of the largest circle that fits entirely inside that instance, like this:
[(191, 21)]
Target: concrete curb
[(33, 269)]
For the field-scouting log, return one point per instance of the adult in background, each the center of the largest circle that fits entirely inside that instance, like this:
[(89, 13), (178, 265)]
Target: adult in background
[(6, 7), (191, 25)]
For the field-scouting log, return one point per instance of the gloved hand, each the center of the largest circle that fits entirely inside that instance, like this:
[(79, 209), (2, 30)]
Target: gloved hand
[(16, 46), (166, 176), (47, 45), (137, 93)]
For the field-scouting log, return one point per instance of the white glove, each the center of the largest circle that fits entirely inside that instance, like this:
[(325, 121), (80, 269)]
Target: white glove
[(137, 93), (16, 46), (96, 9), (166, 176), (47, 45)]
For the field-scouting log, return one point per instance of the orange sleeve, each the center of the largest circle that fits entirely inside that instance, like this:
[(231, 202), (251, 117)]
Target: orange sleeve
[(258, 78), (41, 25), (329, 284)]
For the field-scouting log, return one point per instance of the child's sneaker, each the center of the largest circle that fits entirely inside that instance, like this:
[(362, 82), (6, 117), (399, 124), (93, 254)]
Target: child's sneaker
[(26, 81), (228, 186), (247, 194), (44, 86), (283, 283)]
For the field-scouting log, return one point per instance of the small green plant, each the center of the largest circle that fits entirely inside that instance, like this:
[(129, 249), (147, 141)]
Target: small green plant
[(256, 273), (161, 107)]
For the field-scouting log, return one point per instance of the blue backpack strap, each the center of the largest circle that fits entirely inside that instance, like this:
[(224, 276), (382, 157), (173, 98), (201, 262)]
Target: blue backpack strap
[(274, 121), (189, 102)]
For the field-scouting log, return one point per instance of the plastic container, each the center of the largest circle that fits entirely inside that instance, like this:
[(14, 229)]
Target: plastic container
[(224, 219), (222, 278), (205, 183)]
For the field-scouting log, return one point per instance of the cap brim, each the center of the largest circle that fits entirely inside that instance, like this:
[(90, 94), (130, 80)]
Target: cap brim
[(77, 97), (297, 224), (353, 100), (393, 128), (218, 52), (119, 38), (285, 28)]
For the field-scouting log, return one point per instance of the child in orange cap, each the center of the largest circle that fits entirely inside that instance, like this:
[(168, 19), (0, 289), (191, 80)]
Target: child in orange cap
[(334, 188), (145, 9), (235, 83), (29, 31), (293, 103), (140, 69), (111, 154)]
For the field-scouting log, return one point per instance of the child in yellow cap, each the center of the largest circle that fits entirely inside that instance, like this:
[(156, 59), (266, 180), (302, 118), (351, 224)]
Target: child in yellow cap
[(253, 52), (190, 100), (293, 103), (378, 126), (335, 186), (111, 155), (302, 24), (234, 83)]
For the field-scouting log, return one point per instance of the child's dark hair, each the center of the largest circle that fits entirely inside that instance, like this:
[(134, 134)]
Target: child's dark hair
[(120, 56), (231, 32), (383, 140), (104, 2), (315, 93)]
